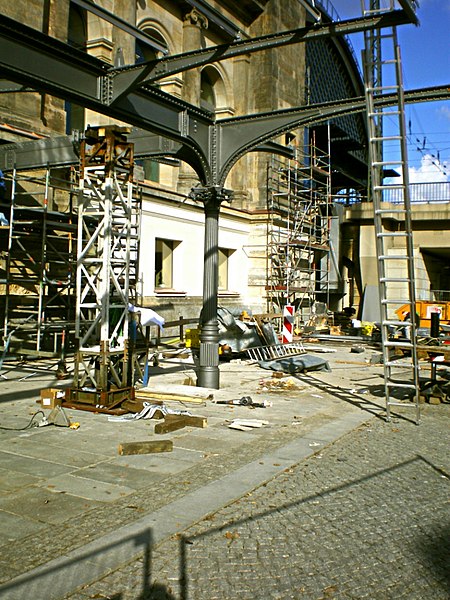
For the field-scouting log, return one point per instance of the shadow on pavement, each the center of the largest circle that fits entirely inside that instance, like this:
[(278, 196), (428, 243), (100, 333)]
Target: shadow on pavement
[(434, 547), (349, 396), (62, 576)]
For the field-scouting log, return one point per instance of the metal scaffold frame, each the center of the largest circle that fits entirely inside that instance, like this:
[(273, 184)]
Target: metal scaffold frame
[(39, 280), (107, 268), (298, 230)]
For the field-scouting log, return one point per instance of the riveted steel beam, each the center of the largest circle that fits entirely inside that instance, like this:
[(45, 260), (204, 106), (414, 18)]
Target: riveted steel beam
[(240, 135), (410, 7), (63, 150), (126, 78), (48, 65), (31, 58)]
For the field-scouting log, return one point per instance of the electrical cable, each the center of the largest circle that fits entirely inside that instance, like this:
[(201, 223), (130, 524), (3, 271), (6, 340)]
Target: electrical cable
[(30, 424)]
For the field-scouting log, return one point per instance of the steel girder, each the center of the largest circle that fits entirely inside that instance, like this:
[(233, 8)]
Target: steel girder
[(48, 65), (210, 147), (264, 126), (125, 78), (63, 150)]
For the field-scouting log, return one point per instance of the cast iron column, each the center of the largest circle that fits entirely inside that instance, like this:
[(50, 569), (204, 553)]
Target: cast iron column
[(208, 372)]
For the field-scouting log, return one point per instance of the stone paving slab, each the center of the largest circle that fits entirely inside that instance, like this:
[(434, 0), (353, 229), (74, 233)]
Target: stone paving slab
[(367, 517), (122, 544), (31, 466), (15, 527), (302, 422), (33, 447)]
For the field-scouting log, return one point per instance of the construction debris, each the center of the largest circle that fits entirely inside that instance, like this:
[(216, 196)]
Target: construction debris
[(175, 422), (296, 364), (278, 384), (246, 401), (435, 393), (275, 351), (51, 397), (128, 448), (247, 424), (149, 411), (56, 417), (178, 393)]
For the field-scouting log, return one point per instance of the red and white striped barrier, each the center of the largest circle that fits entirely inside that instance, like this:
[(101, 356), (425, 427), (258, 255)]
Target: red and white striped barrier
[(288, 324)]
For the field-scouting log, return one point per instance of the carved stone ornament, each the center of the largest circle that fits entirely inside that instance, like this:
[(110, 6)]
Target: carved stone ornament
[(196, 18)]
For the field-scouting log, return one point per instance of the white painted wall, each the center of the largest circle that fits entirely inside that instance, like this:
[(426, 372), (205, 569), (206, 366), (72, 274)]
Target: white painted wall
[(185, 224)]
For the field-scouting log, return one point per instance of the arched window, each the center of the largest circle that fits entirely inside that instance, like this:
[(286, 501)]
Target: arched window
[(77, 33), (144, 51), (209, 78)]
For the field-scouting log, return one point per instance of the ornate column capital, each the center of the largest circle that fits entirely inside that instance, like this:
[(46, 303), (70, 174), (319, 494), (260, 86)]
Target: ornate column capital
[(196, 18), (211, 196)]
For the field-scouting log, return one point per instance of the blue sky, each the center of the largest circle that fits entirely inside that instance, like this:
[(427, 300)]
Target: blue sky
[(425, 52)]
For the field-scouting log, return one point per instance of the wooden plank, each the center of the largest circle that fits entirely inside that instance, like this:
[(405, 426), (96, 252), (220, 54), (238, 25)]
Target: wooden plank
[(179, 390), (128, 448), (151, 396), (175, 422), (94, 409), (423, 351), (191, 420)]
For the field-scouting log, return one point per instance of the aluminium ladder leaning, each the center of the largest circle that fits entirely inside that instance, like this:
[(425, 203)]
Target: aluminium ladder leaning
[(394, 248)]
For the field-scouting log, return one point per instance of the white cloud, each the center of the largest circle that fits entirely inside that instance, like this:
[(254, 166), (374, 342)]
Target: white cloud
[(444, 111), (431, 170), (434, 178)]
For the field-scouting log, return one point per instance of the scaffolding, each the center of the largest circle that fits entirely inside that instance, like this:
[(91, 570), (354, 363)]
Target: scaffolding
[(107, 269), (39, 258), (70, 266), (298, 231)]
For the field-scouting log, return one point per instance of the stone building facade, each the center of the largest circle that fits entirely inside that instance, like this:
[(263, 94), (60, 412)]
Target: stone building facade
[(171, 265)]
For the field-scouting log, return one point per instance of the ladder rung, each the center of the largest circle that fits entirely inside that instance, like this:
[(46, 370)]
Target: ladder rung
[(389, 113), (393, 234), (383, 211), (395, 279), (399, 384), (374, 11), (393, 257), (398, 345), (388, 138), (396, 301), (388, 163), (383, 88), (389, 186), (404, 404), (391, 363), (395, 323)]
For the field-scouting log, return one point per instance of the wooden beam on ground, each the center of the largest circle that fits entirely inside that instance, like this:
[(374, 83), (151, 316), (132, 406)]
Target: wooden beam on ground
[(137, 405), (166, 397), (175, 422), (179, 393), (128, 448)]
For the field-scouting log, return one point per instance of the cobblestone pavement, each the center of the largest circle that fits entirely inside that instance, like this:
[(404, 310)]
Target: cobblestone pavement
[(366, 517)]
